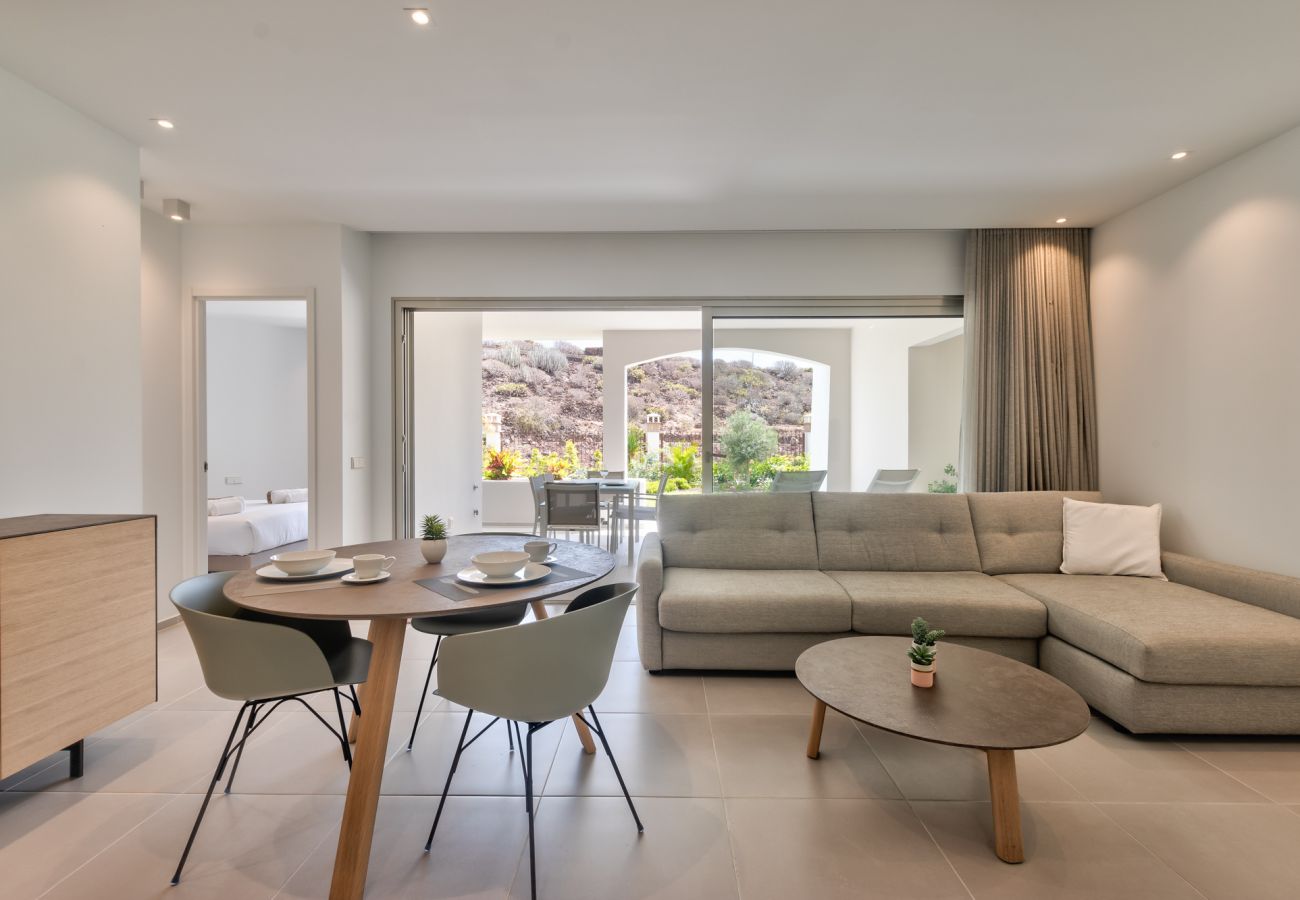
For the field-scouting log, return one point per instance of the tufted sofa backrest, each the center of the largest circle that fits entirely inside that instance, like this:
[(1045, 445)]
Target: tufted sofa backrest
[(1020, 532), (738, 531), (895, 533)]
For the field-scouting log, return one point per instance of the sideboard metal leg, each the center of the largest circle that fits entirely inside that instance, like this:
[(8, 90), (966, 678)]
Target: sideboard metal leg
[(77, 758)]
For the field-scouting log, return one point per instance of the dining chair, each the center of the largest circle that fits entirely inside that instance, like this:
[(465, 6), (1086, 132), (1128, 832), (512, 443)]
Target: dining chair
[(573, 507), (466, 623), (892, 481), (608, 473), (535, 674), (798, 482), (645, 508), (538, 484), (265, 661)]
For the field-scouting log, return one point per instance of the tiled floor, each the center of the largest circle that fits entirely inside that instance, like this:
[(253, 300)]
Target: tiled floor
[(732, 806)]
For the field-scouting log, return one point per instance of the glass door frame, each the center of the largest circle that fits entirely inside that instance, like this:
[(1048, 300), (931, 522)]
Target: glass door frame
[(711, 310)]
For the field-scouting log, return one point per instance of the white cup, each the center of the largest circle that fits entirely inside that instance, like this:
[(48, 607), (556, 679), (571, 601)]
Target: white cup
[(369, 565), (538, 550)]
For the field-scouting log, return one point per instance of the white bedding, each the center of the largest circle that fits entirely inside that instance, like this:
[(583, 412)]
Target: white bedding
[(259, 527)]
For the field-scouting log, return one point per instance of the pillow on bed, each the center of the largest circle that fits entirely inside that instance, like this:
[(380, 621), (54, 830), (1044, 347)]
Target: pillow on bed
[(287, 495), (225, 506)]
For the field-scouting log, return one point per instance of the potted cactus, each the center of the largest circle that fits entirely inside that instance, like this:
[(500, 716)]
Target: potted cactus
[(922, 657), (433, 531), (925, 636)]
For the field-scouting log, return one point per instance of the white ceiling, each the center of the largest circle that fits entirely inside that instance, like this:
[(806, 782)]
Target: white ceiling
[(668, 115)]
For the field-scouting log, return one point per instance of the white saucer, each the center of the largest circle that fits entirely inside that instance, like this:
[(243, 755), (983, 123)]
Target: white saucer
[(335, 568), (531, 572), (354, 578)]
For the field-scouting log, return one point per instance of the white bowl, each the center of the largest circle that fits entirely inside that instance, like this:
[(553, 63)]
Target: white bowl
[(500, 563), (302, 562)]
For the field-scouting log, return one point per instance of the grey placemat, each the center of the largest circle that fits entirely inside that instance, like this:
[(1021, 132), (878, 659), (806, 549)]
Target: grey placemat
[(449, 587)]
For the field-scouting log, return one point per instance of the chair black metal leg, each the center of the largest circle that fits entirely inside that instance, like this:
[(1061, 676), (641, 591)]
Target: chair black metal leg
[(528, 797), (510, 735), (216, 776), (523, 763), (455, 761), (600, 733), (343, 728), (239, 754), (420, 709), (356, 704)]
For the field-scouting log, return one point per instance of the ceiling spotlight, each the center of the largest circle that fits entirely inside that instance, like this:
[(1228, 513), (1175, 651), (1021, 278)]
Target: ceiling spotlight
[(176, 210), (419, 15), (1181, 154), (1062, 220), (165, 123)]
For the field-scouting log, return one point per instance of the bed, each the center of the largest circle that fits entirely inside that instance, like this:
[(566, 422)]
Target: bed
[(248, 539)]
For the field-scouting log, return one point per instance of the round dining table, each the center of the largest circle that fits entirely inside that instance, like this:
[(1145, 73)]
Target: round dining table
[(389, 605)]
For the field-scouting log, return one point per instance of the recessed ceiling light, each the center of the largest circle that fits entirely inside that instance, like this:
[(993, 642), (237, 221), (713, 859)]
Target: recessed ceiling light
[(165, 123), (1181, 154), (419, 15), (176, 210), (1062, 220)]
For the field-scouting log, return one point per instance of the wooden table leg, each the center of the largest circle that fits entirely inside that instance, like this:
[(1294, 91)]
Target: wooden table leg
[(352, 858), (584, 733), (1006, 805), (815, 733)]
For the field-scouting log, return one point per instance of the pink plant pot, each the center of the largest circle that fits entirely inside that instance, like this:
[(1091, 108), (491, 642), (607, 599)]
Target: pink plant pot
[(922, 679)]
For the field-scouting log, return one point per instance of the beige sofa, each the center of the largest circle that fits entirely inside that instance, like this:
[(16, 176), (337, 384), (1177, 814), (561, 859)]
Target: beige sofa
[(751, 581)]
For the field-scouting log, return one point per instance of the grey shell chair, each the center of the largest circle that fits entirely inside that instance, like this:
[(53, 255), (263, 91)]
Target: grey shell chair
[(798, 482), (264, 661), (536, 673), (465, 623)]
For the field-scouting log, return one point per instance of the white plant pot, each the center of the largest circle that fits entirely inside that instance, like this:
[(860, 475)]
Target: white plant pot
[(433, 551)]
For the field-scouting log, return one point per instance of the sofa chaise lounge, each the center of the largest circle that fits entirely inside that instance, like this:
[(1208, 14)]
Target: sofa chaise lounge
[(749, 581)]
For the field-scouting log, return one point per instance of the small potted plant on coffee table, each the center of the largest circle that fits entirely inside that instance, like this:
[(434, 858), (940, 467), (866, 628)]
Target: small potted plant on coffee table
[(925, 636), (433, 530), (922, 658)]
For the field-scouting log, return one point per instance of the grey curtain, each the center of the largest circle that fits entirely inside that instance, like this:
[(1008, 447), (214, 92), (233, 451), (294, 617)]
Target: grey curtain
[(1029, 420)]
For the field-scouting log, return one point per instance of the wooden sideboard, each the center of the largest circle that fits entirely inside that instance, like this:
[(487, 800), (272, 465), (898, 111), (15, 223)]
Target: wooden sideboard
[(78, 630)]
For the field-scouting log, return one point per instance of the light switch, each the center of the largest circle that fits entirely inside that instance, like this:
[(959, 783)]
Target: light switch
[(234, 479), (358, 462)]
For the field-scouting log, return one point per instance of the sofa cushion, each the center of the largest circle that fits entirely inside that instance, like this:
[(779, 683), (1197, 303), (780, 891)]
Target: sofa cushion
[(735, 601), (1168, 633), (1020, 531), (967, 604), (895, 533), (738, 531)]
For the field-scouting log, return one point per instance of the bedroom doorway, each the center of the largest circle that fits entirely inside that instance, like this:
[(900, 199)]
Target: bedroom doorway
[(255, 428)]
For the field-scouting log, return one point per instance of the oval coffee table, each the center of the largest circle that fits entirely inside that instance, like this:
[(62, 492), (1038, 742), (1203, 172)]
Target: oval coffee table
[(979, 699)]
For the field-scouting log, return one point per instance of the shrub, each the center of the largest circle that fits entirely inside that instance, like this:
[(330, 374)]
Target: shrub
[(595, 362), (495, 368), (943, 485), (571, 351), (512, 389), (530, 375), (745, 439), (548, 359), (509, 354), (531, 419), (498, 465), (683, 464), (636, 373), (635, 436)]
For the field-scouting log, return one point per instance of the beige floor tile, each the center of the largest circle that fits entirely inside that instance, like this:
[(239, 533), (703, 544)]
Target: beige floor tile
[(486, 768), (1225, 850), (58, 761), (247, 848), (757, 695), (1105, 765), (164, 752), (475, 853), (659, 756), (588, 849), (46, 836), (632, 689), (1072, 850), (765, 756), (626, 649), (831, 849), (926, 771), (1268, 765)]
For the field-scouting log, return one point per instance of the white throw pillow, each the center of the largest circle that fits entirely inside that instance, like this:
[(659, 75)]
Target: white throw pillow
[(1110, 539)]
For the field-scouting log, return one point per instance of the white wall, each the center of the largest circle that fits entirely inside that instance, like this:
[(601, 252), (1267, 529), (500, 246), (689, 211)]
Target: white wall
[(1196, 317), (357, 412), (70, 328), (257, 401), (160, 348), (596, 266), (936, 370)]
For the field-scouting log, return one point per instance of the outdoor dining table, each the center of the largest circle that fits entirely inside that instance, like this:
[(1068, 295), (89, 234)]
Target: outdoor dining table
[(618, 489), (388, 605)]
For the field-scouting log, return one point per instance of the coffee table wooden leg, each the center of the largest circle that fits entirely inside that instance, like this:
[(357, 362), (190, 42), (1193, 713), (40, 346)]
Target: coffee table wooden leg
[(352, 858), (1006, 805), (584, 733), (815, 733)]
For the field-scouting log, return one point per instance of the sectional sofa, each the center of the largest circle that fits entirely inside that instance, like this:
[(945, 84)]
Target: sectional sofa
[(751, 581)]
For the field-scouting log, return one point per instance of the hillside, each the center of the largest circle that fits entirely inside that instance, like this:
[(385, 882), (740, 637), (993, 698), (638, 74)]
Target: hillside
[(548, 394)]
